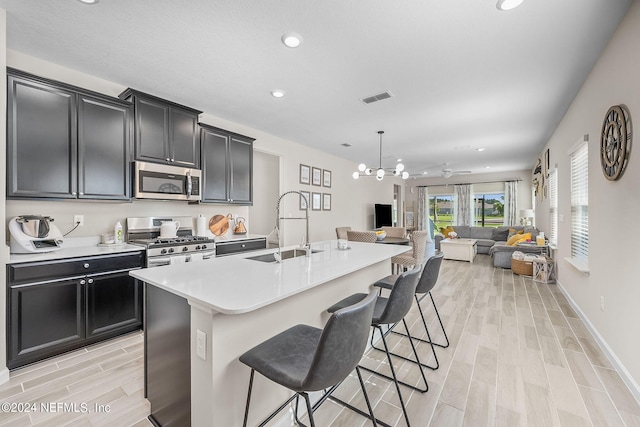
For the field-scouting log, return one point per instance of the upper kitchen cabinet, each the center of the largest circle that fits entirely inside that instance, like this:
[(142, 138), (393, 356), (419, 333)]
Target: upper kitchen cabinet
[(104, 141), (65, 142), (165, 132), (227, 166)]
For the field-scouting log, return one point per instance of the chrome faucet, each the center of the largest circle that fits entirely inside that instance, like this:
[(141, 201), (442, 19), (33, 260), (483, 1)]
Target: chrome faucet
[(305, 245)]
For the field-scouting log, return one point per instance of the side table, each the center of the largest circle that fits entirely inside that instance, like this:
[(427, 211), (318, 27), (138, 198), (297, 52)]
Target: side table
[(544, 270)]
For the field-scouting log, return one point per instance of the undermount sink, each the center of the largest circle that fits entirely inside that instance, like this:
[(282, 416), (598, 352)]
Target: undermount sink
[(291, 253)]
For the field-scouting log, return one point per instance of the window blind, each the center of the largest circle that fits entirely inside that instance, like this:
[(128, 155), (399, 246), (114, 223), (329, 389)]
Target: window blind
[(580, 204), (553, 206)]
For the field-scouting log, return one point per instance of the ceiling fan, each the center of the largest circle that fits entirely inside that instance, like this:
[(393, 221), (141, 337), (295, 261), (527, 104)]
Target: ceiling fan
[(448, 173)]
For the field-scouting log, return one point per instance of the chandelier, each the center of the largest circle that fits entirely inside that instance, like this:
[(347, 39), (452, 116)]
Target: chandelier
[(380, 171)]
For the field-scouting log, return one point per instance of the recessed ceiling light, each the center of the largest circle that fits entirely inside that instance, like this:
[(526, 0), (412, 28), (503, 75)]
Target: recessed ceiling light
[(277, 93), (508, 4), (487, 167), (292, 40), (425, 172), (480, 149), (89, 1), (399, 160)]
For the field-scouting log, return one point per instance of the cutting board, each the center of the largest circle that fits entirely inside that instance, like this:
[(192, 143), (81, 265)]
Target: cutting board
[(219, 224)]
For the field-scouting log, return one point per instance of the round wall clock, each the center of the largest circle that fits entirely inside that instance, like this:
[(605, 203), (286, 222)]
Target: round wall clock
[(615, 142)]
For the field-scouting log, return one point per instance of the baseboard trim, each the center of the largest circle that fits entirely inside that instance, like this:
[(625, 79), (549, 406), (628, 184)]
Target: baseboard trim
[(4, 375), (622, 370)]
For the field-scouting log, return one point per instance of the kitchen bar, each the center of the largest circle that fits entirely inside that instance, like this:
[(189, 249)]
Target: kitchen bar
[(220, 300)]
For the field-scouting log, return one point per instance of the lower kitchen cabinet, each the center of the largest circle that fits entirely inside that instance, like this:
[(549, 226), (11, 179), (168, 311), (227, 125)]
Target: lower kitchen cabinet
[(240, 246), (44, 319), (114, 302), (50, 315)]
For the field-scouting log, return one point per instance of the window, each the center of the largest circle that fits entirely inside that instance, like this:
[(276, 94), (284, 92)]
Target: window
[(580, 207), (488, 209), (441, 210), (553, 206)]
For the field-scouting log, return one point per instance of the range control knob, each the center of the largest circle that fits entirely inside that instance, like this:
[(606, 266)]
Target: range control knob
[(204, 246), (163, 251), (171, 250), (198, 248), (185, 249)]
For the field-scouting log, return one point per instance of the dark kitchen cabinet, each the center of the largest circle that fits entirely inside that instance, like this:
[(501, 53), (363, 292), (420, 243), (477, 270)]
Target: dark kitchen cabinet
[(165, 132), (44, 318), (114, 301), (65, 142), (240, 246), (57, 306), (227, 166), (104, 138), (41, 139)]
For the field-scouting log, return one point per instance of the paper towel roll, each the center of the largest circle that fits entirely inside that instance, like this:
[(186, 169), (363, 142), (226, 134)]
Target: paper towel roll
[(201, 226)]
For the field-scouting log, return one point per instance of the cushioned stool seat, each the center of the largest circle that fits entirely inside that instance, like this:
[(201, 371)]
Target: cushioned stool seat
[(304, 358), (426, 283), (389, 311)]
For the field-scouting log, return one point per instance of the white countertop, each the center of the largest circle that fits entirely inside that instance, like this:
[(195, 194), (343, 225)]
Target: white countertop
[(234, 284), (73, 248)]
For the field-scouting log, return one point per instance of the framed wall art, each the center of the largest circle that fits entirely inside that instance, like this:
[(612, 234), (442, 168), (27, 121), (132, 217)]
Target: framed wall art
[(316, 176), (305, 174), (304, 200), (326, 201), (326, 178), (316, 201)]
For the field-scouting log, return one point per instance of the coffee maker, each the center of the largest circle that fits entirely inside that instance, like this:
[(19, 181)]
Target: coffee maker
[(33, 234)]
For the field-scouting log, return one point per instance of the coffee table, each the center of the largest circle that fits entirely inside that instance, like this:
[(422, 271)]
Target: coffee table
[(459, 249)]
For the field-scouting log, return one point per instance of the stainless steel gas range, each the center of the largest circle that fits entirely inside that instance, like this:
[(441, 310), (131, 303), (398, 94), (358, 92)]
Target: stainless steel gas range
[(184, 247)]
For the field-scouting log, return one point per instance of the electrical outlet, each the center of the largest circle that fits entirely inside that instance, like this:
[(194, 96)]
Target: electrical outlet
[(602, 303), (78, 219), (201, 344)]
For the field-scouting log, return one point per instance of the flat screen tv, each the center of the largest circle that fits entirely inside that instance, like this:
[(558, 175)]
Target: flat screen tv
[(382, 215)]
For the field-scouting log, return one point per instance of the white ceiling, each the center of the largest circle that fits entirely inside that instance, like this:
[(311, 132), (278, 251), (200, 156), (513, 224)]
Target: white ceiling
[(463, 75)]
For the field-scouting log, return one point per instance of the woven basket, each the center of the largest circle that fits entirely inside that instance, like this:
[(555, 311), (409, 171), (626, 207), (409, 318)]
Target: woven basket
[(523, 268)]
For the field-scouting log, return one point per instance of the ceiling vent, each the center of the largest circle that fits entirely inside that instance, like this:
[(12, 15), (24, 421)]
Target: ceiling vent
[(376, 98), (346, 144)]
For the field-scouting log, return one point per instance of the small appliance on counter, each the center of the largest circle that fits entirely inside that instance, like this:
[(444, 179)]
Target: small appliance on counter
[(33, 234), (240, 227)]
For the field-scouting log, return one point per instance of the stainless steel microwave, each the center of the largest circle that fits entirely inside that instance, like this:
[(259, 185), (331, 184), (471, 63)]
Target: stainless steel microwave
[(166, 182)]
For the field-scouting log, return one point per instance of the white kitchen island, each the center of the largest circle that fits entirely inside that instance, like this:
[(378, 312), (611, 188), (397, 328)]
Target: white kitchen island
[(237, 303)]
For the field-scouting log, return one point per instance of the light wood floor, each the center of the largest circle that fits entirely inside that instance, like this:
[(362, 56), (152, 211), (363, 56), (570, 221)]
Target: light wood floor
[(519, 356)]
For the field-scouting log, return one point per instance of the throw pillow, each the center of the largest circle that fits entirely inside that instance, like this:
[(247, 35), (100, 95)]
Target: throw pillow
[(446, 230), (524, 238), (513, 231), (513, 240)]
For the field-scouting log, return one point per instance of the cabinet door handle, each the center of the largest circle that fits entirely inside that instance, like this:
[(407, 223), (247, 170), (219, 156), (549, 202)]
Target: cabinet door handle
[(82, 282), (90, 281), (172, 160), (168, 160), (86, 265)]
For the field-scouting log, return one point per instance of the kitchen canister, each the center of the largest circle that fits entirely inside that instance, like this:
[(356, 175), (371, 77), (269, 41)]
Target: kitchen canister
[(201, 226)]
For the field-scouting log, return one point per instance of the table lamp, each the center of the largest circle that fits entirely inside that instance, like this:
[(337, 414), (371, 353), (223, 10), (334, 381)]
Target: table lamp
[(526, 215)]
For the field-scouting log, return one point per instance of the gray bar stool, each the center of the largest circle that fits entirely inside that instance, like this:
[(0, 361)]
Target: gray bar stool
[(304, 358), (389, 311), (427, 282)]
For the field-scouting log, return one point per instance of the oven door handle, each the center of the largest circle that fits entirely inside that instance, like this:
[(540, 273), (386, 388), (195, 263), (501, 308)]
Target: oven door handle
[(208, 255), (156, 262)]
